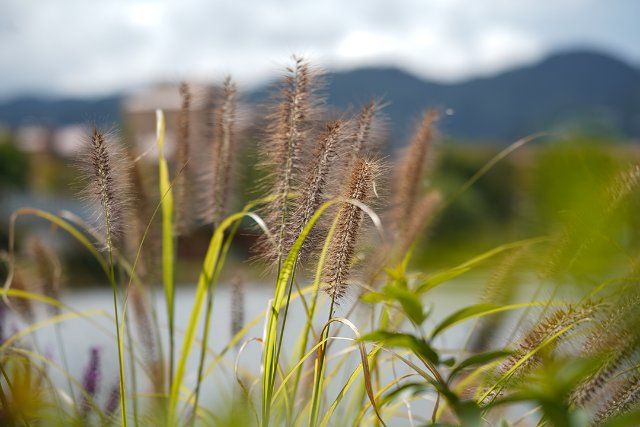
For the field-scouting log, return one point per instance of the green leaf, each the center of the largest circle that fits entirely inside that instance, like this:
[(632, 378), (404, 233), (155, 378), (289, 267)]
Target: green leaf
[(412, 388), (478, 359), (409, 301), (206, 275), (374, 297), (406, 341), (270, 354), (459, 270), (463, 314), (477, 310), (442, 277)]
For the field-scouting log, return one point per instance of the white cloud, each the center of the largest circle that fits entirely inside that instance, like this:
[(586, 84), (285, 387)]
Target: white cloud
[(81, 47)]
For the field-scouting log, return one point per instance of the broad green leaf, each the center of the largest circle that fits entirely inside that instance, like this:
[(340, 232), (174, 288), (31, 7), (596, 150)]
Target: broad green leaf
[(461, 315), (206, 275), (439, 278), (409, 301), (374, 297), (477, 310), (447, 275), (406, 341), (478, 359)]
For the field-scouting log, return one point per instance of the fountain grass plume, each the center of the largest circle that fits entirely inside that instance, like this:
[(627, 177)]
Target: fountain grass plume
[(613, 340), (237, 306), (147, 334), (350, 217), (184, 191), (225, 145), (626, 396), (290, 124), (500, 288), (560, 321), (317, 173), (113, 400), (23, 306), (366, 132), (411, 170), (141, 218), (105, 171), (49, 270)]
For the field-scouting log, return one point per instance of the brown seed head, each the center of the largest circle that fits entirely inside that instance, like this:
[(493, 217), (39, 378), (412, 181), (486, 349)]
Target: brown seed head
[(224, 148), (184, 219), (49, 270), (315, 177), (237, 304), (288, 131), (141, 310), (411, 170), (366, 130), (624, 399), (106, 172), (23, 306), (342, 245), (551, 325)]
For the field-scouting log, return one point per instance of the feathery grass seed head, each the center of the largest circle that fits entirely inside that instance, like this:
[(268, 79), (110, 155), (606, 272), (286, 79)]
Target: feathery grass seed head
[(350, 217), (184, 219), (49, 270), (106, 168), (289, 128), (225, 145), (411, 170), (315, 179)]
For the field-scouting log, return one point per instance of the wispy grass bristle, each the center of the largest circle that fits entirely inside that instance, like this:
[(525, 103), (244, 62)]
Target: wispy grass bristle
[(237, 305), (225, 146), (550, 325), (289, 129), (317, 172), (106, 173), (49, 270), (350, 217), (184, 191), (410, 171), (613, 341), (146, 333), (625, 398), (365, 137), (500, 289), (23, 306)]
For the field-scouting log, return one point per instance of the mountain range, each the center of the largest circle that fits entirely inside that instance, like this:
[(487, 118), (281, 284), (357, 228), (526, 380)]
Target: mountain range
[(570, 90)]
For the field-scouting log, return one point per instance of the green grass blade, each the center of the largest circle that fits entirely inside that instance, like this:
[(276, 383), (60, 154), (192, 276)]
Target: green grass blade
[(444, 276), (478, 310), (206, 276), (168, 254), (270, 361)]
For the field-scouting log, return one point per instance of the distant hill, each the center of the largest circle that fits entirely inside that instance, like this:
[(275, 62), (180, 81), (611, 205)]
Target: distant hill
[(57, 112), (569, 90)]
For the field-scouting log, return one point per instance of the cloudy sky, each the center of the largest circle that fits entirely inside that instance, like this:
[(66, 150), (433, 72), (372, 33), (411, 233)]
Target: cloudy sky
[(95, 47)]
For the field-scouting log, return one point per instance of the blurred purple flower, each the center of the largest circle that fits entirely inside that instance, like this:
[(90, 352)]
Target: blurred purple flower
[(114, 400), (91, 378)]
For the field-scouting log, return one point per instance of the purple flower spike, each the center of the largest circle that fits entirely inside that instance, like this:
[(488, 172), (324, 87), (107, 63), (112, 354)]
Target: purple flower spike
[(114, 400), (91, 378)]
